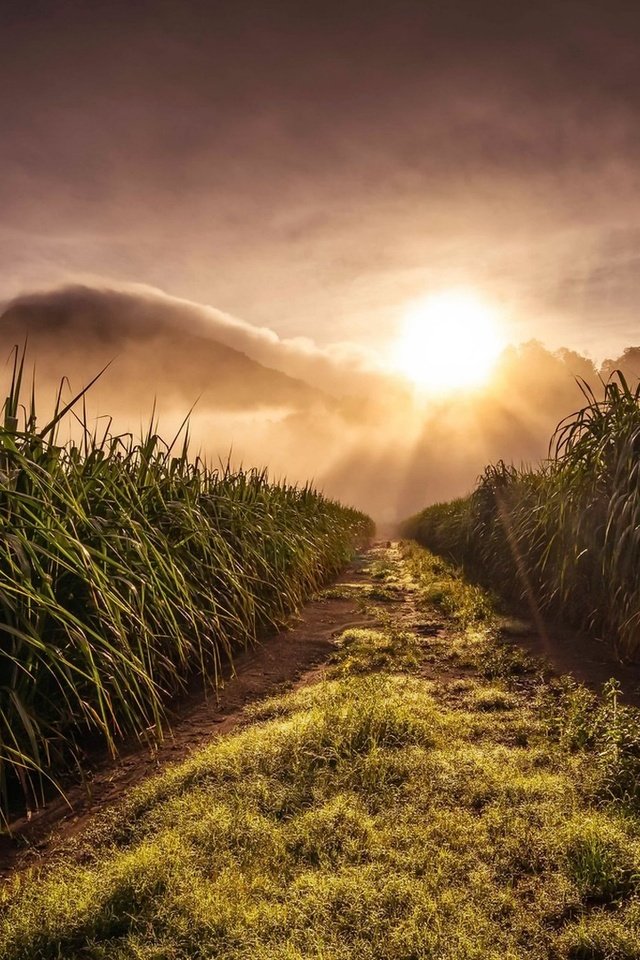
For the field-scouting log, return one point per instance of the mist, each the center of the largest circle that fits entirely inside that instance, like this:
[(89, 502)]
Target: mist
[(329, 414)]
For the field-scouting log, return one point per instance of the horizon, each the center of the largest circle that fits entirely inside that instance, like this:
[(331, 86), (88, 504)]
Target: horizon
[(370, 205), (301, 411)]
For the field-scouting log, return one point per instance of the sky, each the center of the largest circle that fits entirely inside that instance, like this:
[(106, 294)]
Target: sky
[(312, 168)]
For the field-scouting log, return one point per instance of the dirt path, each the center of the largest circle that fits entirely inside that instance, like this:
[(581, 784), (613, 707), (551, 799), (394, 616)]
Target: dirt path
[(287, 659), (292, 658), (586, 658)]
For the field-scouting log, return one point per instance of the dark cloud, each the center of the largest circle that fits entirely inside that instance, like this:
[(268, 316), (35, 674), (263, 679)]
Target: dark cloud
[(313, 166)]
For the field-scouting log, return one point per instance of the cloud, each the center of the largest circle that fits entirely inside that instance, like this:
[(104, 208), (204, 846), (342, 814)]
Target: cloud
[(106, 318), (305, 411)]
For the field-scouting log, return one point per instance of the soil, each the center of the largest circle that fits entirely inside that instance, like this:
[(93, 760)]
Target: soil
[(292, 658), (589, 659)]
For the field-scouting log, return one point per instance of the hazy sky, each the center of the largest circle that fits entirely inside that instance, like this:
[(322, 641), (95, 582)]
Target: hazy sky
[(313, 166)]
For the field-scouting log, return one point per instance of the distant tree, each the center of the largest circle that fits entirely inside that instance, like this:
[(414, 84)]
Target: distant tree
[(628, 363), (545, 378), (577, 365)]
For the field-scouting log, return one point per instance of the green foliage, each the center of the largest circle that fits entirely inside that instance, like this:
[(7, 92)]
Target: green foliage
[(443, 527), (602, 858), (125, 569), (602, 935), (366, 650), (607, 729), (566, 536), (440, 584), (493, 698)]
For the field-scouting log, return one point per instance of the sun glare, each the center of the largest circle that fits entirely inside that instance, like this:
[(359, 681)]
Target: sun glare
[(449, 339)]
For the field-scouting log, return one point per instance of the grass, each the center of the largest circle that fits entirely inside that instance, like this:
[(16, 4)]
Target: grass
[(564, 537), (127, 568), (382, 813)]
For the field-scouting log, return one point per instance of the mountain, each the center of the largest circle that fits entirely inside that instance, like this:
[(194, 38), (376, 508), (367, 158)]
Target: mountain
[(155, 351)]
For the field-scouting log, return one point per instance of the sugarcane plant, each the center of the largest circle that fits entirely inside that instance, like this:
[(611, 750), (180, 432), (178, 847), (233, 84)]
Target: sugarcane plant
[(126, 569)]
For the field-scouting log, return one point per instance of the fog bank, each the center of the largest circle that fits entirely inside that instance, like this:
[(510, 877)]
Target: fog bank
[(331, 414)]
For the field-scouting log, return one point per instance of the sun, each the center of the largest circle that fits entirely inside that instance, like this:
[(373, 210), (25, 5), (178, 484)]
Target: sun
[(450, 339)]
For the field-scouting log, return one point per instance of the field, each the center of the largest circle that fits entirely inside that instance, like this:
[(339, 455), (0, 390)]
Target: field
[(126, 570), (430, 795), (565, 537), (426, 791)]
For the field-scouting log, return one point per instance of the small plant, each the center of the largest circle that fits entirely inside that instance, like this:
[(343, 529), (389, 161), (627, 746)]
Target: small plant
[(363, 650), (601, 859)]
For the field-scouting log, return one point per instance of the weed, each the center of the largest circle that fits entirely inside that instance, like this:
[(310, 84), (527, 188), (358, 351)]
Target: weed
[(366, 651)]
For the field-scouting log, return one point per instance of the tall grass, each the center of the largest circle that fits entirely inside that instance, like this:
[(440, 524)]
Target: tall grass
[(125, 569), (566, 535)]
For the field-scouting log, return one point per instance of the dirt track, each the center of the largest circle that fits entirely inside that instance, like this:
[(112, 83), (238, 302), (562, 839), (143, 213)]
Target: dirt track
[(293, 657)]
